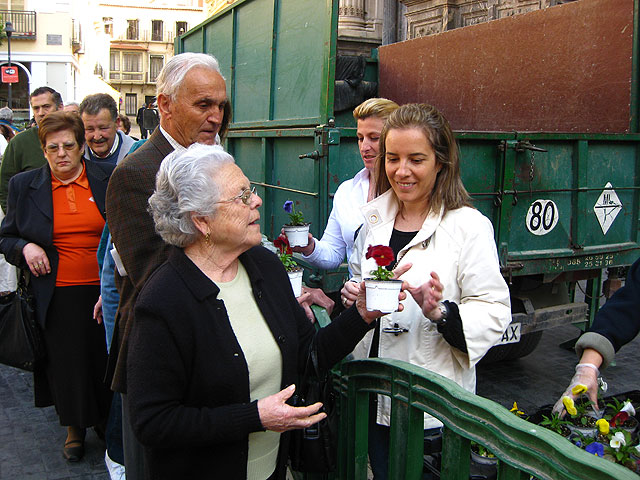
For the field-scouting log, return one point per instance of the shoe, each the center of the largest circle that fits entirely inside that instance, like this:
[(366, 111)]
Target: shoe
[(116, 471), (73, 450)]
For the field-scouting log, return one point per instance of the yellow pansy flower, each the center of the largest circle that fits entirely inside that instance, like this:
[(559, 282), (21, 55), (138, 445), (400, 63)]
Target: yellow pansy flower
[(569, 405), (603, 426), (578, 389), (515, 410)]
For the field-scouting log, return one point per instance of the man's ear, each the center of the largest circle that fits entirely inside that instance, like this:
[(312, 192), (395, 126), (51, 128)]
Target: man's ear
[(118, 123), (164, 105)]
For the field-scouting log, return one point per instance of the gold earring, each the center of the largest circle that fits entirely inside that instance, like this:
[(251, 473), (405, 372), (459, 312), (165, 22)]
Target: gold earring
[(207, 238)]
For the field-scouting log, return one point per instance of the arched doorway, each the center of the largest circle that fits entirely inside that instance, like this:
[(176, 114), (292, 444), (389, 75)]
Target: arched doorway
[(19, 92)]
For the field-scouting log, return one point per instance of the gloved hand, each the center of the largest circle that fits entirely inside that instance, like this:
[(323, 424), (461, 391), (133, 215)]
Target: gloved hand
[(585, 380)]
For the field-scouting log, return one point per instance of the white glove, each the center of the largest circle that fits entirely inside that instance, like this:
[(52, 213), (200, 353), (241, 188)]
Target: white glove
[(584, 380)]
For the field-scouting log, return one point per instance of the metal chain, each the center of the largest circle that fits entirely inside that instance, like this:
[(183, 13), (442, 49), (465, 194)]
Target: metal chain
[(532, 164)]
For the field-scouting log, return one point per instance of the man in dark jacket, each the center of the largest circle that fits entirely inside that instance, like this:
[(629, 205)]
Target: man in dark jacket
[(186, 80), (150, 118), (143, 132)]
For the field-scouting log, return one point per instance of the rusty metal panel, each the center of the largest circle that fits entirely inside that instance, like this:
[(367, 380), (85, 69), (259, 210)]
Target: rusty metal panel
[(562, 69)]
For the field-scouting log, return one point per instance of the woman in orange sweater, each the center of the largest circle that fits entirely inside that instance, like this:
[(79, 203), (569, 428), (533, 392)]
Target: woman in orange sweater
[(55, 215)]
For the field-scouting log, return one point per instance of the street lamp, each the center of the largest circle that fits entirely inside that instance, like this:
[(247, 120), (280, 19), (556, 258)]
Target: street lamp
[(8, 29)]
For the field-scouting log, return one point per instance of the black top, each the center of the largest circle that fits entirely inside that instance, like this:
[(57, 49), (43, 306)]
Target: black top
[(187, 377), (618, 320)]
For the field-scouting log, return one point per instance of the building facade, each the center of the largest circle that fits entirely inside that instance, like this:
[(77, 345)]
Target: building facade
[(428, 17), (140, 37), (47, 48)]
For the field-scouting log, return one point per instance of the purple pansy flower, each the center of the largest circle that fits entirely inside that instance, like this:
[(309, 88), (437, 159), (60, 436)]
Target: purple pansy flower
[(288, 206), (596, 448)]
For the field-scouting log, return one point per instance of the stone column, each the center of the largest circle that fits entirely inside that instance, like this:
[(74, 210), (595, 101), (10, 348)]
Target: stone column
[(351, 13)]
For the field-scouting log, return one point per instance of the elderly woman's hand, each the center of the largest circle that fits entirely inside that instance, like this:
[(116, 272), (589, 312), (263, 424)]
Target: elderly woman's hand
[(277, 416), (428, 295), (97, 310), (36, 259), (314, 296)]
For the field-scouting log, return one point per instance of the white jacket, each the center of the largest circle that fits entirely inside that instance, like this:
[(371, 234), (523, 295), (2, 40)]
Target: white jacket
[(461, 249)]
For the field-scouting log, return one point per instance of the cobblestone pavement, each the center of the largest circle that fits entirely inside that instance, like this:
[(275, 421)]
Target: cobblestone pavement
[(31, 439)]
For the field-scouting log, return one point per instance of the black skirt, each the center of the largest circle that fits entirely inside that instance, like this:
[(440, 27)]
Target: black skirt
[(72, 376)]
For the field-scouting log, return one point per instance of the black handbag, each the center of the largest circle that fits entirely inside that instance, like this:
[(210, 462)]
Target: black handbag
[(314, 449), (21, 342)]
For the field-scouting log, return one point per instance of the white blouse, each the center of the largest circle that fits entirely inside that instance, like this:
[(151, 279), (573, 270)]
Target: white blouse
[(346, 217)]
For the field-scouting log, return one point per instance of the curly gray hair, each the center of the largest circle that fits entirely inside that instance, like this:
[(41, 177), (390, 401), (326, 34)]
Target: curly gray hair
[(186, 184)]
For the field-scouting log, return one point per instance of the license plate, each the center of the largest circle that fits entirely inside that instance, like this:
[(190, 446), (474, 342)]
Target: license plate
[(511, 334)]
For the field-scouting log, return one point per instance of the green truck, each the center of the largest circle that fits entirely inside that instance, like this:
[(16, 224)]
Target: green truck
[(545, 109)]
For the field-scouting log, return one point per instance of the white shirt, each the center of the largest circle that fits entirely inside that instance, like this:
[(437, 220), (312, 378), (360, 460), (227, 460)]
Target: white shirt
[(345, 218), (3, 144), (174, 143)]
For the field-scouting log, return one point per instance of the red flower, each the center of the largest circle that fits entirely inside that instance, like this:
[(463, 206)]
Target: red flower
[(282, 244), (382, 254), (619, 419)]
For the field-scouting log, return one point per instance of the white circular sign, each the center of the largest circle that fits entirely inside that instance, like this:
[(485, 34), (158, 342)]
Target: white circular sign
[(542, 217)]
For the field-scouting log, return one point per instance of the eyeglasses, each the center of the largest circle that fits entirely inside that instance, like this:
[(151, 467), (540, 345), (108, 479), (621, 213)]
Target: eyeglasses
[(245, 196), (53, 148)]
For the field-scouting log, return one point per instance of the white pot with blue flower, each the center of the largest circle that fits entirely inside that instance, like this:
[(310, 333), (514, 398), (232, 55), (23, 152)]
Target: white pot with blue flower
[(297, 231)]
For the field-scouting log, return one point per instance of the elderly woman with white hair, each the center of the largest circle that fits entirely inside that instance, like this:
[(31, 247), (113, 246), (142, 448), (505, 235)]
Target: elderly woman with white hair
[(219, 339)]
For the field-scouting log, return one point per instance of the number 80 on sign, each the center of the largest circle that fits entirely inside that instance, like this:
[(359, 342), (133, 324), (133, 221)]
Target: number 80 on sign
[(542, 217)]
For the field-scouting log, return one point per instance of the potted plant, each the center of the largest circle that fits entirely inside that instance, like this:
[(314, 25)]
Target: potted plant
[(294, 271), (621, 450), (582, 417), (621, 415), (297, 231), (382, 290), (556, 424)]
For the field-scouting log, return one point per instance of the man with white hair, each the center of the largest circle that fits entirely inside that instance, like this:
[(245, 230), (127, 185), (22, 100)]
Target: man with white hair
[(193, 105)]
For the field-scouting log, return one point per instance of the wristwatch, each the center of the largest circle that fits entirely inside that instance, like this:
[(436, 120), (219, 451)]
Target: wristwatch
[(444, 314)]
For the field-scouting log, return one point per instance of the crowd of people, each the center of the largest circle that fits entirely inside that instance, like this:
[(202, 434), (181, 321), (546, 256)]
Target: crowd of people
[(145, 261)]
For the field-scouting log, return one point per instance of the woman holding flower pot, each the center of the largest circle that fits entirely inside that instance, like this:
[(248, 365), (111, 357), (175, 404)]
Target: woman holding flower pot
[(459, 305)]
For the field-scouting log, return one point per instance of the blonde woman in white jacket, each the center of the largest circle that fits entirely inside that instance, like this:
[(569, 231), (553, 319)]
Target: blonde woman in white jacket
[(459, 304)]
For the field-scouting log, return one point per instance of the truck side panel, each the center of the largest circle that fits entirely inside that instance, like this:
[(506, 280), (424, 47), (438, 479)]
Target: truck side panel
[(566, 68)]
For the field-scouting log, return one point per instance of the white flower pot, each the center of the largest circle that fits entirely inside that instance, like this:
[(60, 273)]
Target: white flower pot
[(295, 278), (298, 235), (382, 294)]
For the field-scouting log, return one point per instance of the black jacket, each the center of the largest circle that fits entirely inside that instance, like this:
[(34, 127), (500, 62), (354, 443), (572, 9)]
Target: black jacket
[(187, 377), (30, 219), (619, 319)]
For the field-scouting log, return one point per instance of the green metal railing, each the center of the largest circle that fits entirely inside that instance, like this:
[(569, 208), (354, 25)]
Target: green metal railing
[(523, 449)]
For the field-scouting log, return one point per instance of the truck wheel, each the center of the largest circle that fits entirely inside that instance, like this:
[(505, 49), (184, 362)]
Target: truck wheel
[(527, 344)]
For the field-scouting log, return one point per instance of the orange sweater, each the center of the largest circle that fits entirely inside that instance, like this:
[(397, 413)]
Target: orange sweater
[(77, 226)]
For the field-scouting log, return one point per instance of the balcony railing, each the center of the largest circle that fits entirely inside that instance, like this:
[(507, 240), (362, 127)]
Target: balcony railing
[(165, 36), (24, 23), (117, 76)]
